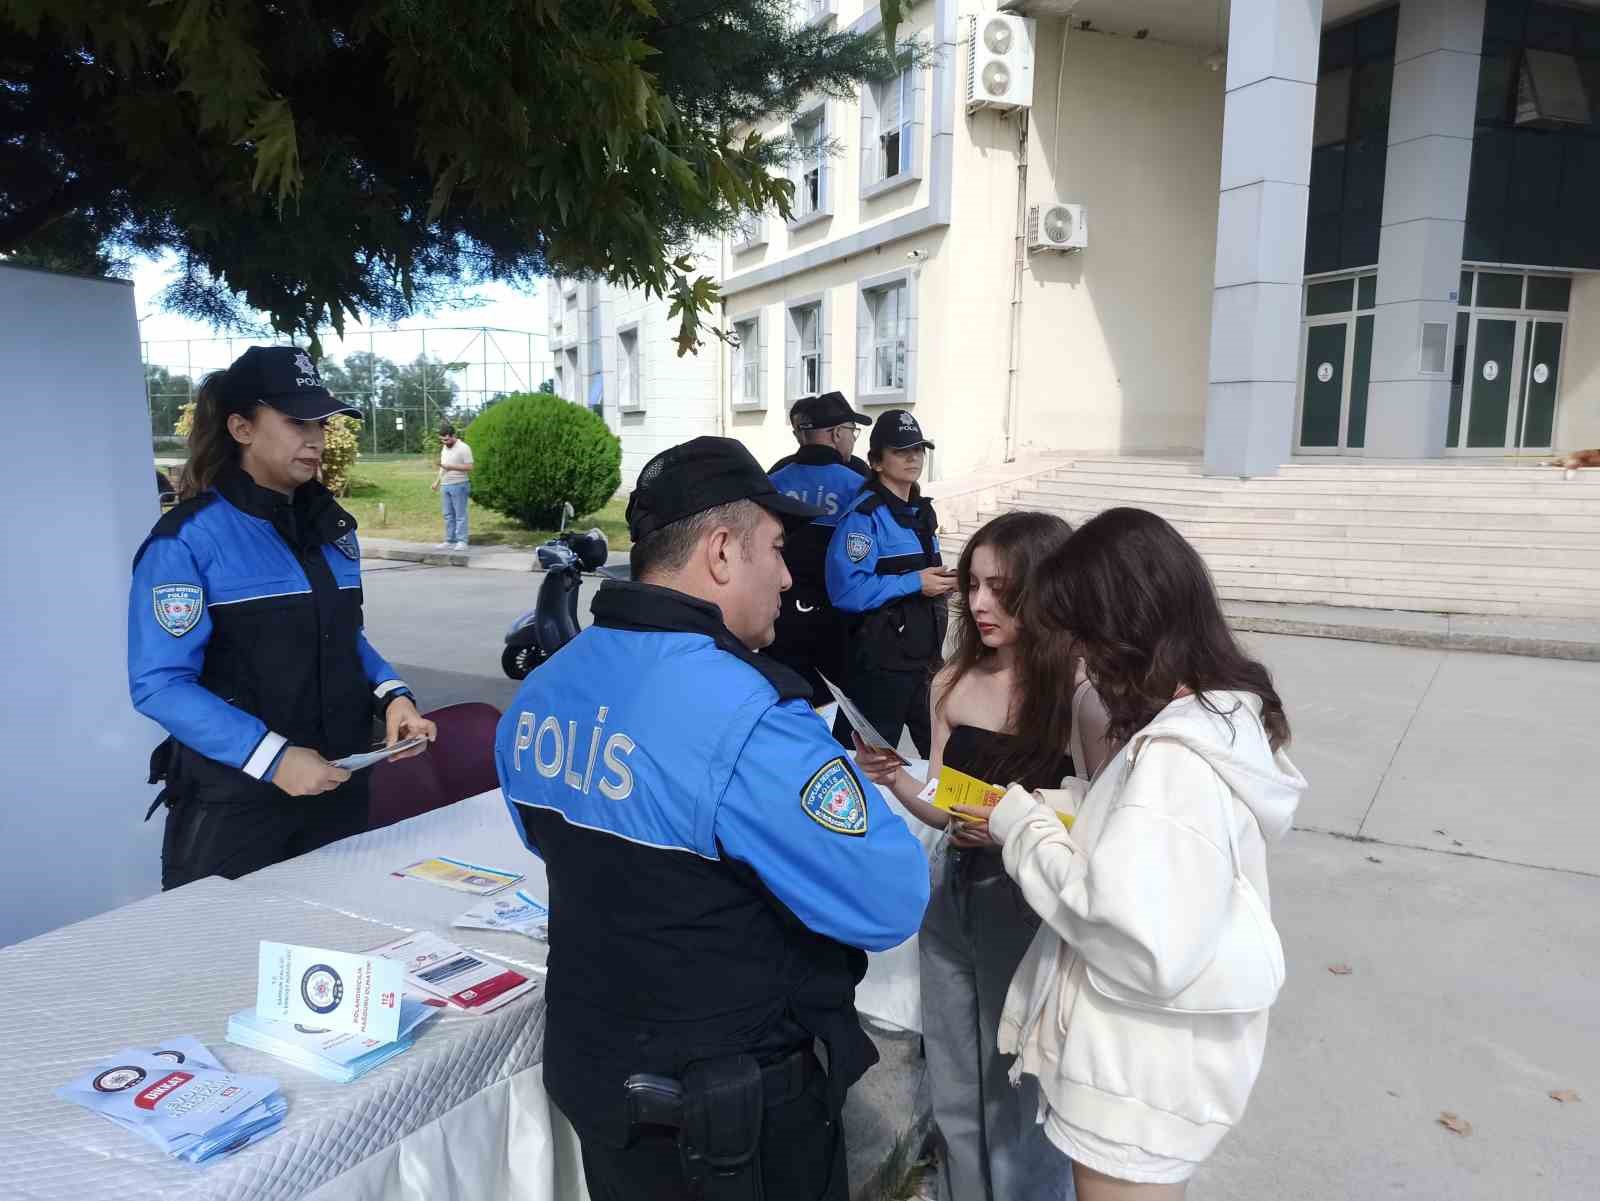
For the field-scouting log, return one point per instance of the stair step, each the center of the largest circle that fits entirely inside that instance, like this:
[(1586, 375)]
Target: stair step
[(1365, 519), (1260, 494)]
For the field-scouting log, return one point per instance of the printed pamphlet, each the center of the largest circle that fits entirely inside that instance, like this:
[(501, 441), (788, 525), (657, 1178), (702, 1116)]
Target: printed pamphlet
[(442, 969), (332, 990), (459, 875), (519, 912), (859, 723)]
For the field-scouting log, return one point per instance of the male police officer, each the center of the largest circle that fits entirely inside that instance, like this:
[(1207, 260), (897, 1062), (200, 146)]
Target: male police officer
[(812, 637), (716, 866)]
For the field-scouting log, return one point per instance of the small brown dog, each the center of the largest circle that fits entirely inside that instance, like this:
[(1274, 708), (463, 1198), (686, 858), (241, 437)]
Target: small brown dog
[(1573, 461)]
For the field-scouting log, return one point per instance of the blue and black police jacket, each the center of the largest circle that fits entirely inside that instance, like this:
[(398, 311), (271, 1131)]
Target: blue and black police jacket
[(716, 864), (245, 637), (875, 556), (820, 476)]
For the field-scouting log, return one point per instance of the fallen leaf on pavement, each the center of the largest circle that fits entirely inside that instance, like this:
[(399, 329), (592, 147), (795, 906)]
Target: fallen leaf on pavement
[(1373, 859), (1443, 833), (1456, 842), (1564, 1095), (1455, 1123), (1340, 969)]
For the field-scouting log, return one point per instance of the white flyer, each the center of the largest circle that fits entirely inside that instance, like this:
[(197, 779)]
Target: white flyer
[(368, 758), (333, 990), (870, 737), (519, 912), (442, 969)]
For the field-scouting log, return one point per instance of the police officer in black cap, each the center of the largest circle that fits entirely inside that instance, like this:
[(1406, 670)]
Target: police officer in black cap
[(884, 569), (717, 867), (245, 636), (812, 635)]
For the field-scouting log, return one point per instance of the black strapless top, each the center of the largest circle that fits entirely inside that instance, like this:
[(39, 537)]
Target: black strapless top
[(983, 753)]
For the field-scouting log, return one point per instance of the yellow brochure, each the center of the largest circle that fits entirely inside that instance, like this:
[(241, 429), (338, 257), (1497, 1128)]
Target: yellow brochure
[(957, 788)]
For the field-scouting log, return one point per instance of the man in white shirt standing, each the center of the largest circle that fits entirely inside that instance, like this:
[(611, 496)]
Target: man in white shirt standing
[(455, 469)]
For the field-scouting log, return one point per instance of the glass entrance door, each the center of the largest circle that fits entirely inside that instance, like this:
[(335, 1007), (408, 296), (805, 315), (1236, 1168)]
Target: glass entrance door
[(1504, 383), (1508, 388), (1334, 372), (1541, 362)]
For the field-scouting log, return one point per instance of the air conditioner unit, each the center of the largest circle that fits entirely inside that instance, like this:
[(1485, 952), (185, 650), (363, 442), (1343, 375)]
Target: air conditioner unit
[(1058, 227), (999, 62)]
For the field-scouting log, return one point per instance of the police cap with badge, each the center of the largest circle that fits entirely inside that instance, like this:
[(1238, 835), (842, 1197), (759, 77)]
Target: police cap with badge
[(283, 377), (824, 412), (897, 429), (701, 474)]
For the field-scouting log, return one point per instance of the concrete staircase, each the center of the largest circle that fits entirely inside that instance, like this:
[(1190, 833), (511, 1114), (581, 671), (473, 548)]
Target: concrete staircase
[(1518, 541)]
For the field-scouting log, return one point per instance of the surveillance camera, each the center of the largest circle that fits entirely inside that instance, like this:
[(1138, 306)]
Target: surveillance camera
[(916, 255)]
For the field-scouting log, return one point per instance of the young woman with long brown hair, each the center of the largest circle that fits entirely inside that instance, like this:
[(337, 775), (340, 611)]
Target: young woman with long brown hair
[(1000, 713), (1143, 1012)]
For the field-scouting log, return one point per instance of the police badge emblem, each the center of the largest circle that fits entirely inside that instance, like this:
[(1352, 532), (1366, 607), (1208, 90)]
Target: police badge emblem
[(833, 799), (178, 607), (118, 1079), (857, 547), (348, 546), (321, 989)]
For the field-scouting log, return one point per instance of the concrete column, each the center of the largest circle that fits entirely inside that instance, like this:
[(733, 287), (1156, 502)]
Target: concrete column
[(1438, 49), (1273, 47)]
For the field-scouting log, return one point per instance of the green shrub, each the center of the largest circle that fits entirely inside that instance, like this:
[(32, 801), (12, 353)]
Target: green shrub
[(533, 450)]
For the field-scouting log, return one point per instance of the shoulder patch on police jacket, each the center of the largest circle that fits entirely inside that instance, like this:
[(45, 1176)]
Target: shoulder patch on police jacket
[(178, 607), (348, 546), (833, 799), (857, 546)]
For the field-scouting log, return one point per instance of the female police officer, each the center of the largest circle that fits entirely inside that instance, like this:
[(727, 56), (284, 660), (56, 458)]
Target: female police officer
[(883, 565), (244, 633)]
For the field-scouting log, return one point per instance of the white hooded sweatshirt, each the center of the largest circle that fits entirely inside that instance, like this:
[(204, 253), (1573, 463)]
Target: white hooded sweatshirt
[(1138, 890)]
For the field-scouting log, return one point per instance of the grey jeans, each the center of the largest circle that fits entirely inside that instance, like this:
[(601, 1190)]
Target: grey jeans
[(974, 934)]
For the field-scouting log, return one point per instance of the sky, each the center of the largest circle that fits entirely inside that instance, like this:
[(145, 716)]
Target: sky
[(497, 362)]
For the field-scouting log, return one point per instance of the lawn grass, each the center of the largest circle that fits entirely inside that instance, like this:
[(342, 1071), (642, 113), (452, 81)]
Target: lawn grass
[(411, 509)]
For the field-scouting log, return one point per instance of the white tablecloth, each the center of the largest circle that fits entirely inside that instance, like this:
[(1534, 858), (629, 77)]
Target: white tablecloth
[(180, 963), (355, 877), (461, 1115)]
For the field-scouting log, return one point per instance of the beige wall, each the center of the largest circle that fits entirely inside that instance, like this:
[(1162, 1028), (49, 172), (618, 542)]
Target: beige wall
[(1578, 408), (1116, 337)]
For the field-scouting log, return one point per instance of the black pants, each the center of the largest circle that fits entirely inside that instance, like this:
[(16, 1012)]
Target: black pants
[(890, 700), (802, 1157), (234, 838), (813, 638)]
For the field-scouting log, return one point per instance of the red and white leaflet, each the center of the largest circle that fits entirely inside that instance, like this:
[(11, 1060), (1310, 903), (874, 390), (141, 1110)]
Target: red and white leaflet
[(441, 969)]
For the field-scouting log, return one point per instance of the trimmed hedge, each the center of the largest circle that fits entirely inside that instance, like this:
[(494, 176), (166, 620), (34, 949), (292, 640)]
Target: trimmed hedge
[(533, 450)]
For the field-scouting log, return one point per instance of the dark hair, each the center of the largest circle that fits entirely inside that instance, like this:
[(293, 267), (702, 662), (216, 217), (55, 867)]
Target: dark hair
[(211, 446), (669, 548), (1041, 707), (1139, 604), (447, 430)]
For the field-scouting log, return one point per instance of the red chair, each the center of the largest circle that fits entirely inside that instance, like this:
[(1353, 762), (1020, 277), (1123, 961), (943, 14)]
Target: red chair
[(458, 765)]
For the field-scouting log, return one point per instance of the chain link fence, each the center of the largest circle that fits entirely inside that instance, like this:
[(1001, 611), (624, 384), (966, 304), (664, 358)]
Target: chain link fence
[(405, 382)]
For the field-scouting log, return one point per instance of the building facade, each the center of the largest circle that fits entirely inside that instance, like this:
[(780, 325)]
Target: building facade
[(1255, 230), (613, 351)]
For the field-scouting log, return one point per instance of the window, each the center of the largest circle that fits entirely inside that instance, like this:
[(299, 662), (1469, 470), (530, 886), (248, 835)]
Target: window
[(572, 375), (811, 186), (891, 321), (628, 368), (750, 232), (808, 340), (893, 100), (810, 12), (747, 393), (1550, 91)]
